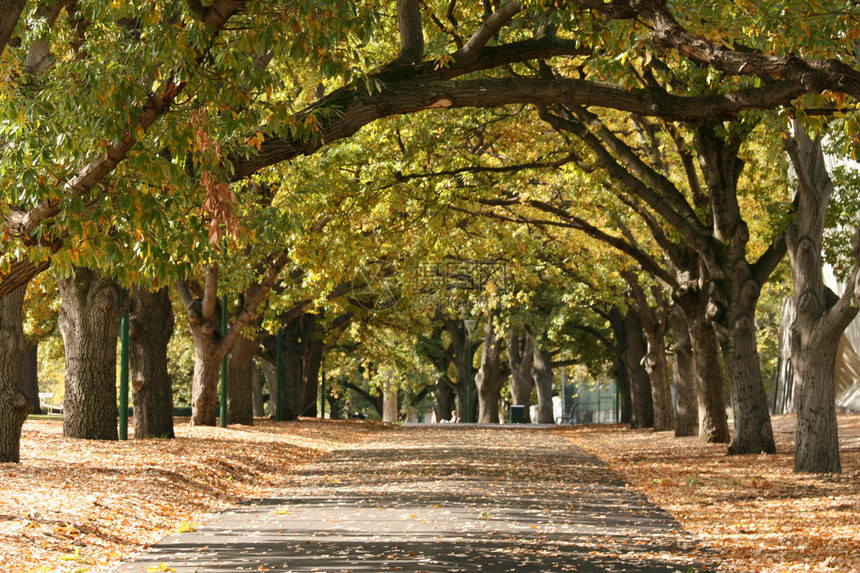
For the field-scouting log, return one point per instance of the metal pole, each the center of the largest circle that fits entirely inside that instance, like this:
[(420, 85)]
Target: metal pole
[(123, 379), (279, 367), (224, 364), (469, 379), (563, 401), (322, 393)]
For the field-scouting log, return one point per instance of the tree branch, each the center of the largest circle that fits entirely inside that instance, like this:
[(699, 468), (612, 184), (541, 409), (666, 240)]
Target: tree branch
[(490, 28)]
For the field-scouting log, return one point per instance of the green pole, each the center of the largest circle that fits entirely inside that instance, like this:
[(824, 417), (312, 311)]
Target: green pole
[(279, 367), (224, 364), (469, 380), (123, 379)]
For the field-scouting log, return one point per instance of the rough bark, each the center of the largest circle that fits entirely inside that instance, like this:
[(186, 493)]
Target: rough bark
[(240, 390), (151, 325), (14, 406), (204, 324), (683, 376), (622, 378), (736, 285), (640, 383), (89, 321), (821, 316), (411, 35), (709, 379), (521, 361), (489, 378), (753, 432), (654, 321), (542, 372), (30, 377)]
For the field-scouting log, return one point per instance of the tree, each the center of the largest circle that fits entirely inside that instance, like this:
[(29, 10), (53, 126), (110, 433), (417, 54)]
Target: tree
[(683, 375), (14, 406), (821, 316), (150, 328), (489, 379), (521, 361), (210, 344), (654, 321), (90, 313)]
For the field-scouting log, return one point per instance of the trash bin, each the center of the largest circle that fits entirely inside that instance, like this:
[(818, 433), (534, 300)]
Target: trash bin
[(518, 414)]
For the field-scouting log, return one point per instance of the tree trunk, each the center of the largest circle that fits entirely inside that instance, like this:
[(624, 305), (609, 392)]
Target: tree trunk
[(653, 316), (708, 380), (489, 379), (390, 410), (657, 368), (240, 390), (521, 361), (445, 398), (464, 351), (89, 321), (622, 377), (640, 383), (816, 434), (14, 406), (151, 325), (753, 433), (335, 404), (204, 385), (30, 377), (257, 389), (311, 363), (735, 284), (542, 372), (820, 317), (296, 337), (683, 375)]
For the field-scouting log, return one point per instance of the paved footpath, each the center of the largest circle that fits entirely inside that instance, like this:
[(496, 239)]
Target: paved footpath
[(490, 499)]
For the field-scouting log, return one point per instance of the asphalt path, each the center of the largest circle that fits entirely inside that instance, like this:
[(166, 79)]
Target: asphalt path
[(440, 498)]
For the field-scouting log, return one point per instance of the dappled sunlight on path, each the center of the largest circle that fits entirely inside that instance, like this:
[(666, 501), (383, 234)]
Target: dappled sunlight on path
[(441, 499)]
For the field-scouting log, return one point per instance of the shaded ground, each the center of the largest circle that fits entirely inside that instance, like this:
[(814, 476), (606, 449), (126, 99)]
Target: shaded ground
[(752, 510), (79, 505), (441, 498)]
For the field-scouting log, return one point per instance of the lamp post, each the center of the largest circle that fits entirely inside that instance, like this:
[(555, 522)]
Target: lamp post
[(469, 323)]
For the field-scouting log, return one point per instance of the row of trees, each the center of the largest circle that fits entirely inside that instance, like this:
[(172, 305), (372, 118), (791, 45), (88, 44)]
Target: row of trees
[(137, 143)]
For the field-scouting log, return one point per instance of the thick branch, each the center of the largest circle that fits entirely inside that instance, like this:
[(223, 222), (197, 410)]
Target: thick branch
[(210, 292), (411, 33), (815, 76), (10, 11), (355, 108), (254, 297)]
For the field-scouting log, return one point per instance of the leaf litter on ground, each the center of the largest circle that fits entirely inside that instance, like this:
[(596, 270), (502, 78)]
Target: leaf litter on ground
[(79, 505), (752, 510)]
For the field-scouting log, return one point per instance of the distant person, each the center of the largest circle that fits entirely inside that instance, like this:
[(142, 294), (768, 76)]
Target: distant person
[(352, 415)]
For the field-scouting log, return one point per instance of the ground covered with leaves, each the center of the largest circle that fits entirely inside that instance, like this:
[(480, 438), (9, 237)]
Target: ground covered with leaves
[(753, 510), (77, 505), (74, 505)]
